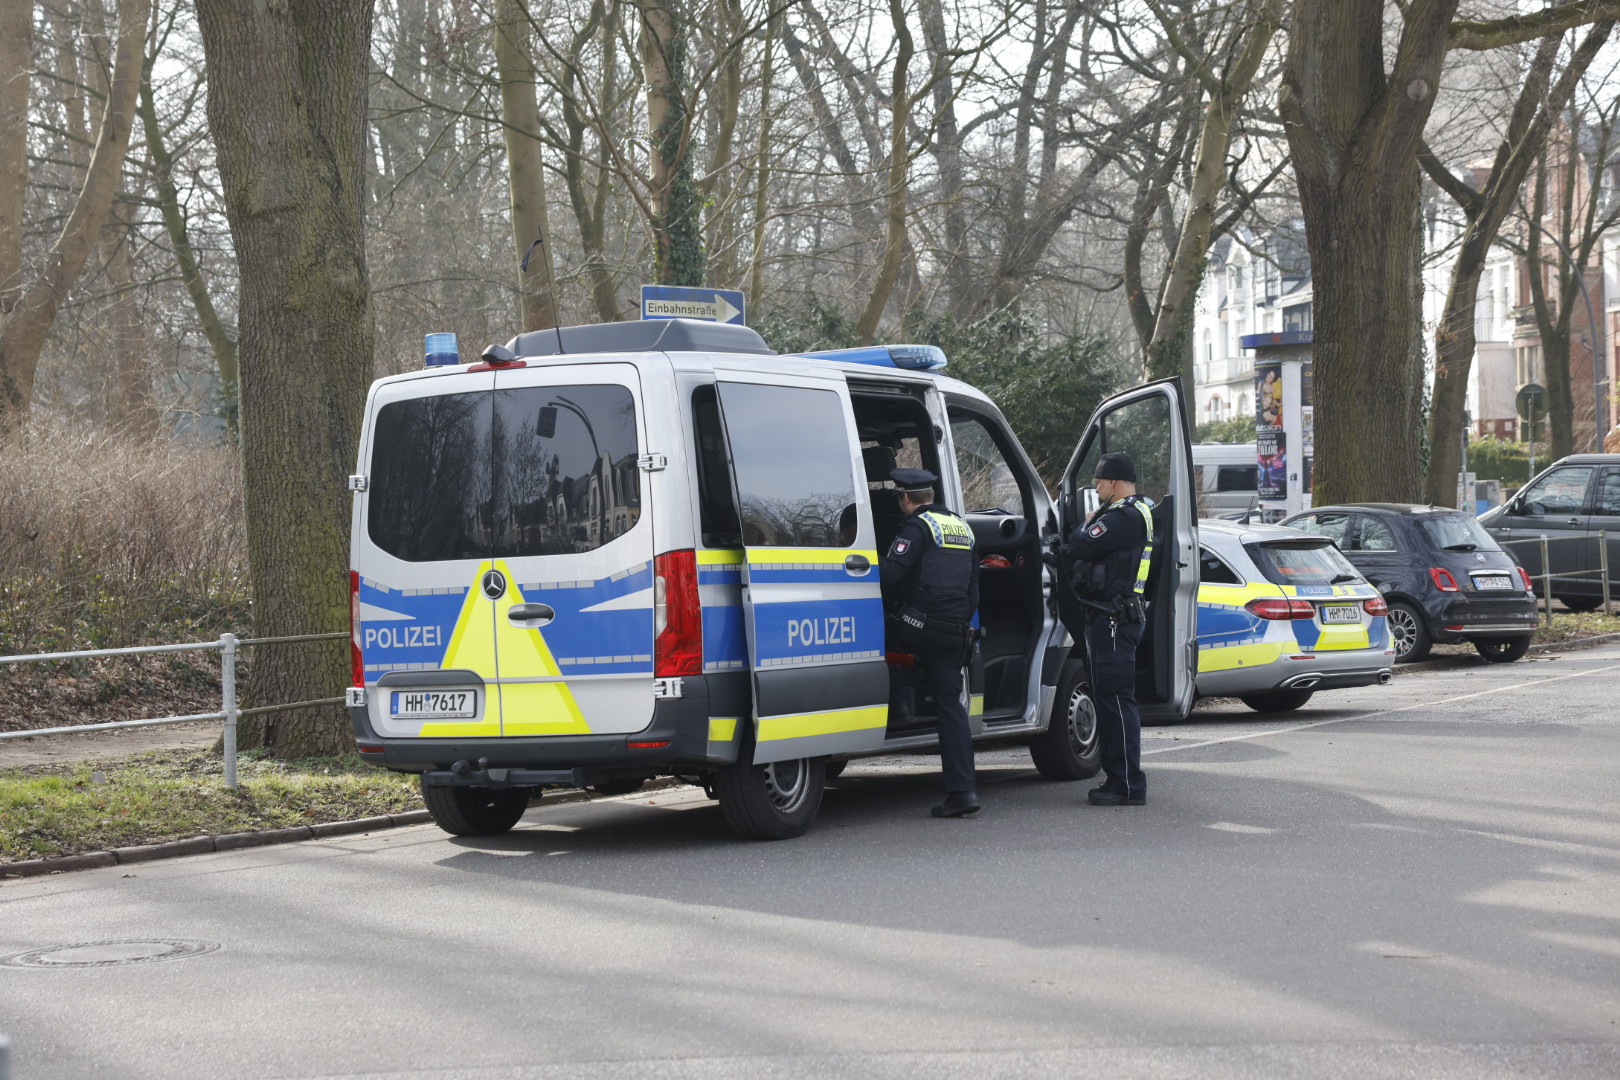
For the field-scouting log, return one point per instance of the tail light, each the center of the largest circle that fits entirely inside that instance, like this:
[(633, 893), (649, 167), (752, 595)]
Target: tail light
[(355, 660), (1442, 579), (1376, 606), (677, 616), (1524, 576), (1281, 608)]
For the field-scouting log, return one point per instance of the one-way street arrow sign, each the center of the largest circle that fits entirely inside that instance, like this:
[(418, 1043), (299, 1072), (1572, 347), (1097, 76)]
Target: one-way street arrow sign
[(679, 302)]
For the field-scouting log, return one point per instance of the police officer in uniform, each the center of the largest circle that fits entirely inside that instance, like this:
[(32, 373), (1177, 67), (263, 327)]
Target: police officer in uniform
[(931, 591), (1110, 552)]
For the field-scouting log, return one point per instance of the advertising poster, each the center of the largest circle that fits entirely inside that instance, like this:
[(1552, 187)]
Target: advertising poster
[(1271, 448), (1268, 397)]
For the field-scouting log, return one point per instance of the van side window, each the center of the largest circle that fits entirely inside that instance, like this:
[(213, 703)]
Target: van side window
[(988, 482), (790, 449), (1237, 478), (717, 508)]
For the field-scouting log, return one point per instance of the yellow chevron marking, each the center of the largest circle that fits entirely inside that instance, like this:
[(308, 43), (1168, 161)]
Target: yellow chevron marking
[(722, 728), (546, 708), (799, 725), (976, 705)]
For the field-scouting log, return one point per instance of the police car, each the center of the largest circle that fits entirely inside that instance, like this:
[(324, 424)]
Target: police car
[(607, 553), (1283, 614)]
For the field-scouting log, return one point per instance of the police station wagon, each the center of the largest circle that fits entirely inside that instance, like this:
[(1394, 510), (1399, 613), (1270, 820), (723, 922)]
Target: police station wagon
[(608, 553)]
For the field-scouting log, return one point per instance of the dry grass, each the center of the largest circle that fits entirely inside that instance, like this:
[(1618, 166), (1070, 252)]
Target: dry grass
[(112, 542)]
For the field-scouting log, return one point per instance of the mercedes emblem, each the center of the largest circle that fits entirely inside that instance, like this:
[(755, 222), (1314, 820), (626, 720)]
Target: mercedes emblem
[(494, 584)]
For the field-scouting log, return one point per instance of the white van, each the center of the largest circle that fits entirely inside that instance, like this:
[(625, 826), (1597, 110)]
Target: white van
[(1228, 477), (608, 553)]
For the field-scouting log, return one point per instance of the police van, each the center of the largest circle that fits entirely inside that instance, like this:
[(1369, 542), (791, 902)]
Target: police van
[(608, 553)]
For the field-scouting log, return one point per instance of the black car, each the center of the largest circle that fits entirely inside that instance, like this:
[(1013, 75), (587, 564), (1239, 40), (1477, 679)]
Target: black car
[(1443, 576), (1572, 503)]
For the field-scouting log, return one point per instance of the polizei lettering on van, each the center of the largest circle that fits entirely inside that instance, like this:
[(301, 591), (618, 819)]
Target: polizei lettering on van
[(838, 631), (401, 637)]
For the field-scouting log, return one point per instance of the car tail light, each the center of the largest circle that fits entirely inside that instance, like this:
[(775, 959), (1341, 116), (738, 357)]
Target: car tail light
[(677, 616), (1524, 576), (1281, 608), (355, 661), (1442, 579), (1376, 606)]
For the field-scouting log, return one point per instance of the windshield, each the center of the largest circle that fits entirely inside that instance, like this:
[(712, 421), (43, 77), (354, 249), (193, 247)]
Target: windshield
[(1303, 562), (1456, 532)]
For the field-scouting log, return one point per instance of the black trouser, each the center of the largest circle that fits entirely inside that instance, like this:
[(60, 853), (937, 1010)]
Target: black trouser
[(1111, 654), (943, 680)]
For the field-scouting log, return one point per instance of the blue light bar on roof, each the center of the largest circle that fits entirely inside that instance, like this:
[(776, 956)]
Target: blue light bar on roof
[(910, 357)]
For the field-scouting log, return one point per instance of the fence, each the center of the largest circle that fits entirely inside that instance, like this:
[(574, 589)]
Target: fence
[(1546, 574), (227, 645)]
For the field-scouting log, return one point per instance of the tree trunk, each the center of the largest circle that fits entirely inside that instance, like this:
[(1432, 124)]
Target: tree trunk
[(899, 169), (214, 329), (677, 231), (762, 164), (132, 405), (1353, 135), (23, 333), (16, 67), (947, 148), (525, 172), (287, 89)]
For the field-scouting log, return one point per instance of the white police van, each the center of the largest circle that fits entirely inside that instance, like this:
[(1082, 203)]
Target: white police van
[(608, 553)]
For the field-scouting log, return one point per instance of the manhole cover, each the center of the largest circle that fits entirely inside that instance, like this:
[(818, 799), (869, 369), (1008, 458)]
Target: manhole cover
[(95, 954)]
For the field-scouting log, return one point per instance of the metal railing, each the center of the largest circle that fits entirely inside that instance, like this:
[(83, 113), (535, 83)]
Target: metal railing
[(1547, 575), (228, 712)]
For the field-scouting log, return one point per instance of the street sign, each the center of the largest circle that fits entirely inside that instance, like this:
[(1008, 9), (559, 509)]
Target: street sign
[(1531, 402), (680, 302)]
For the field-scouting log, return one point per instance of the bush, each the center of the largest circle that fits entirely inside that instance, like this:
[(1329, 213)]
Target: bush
[(1497, 459), (1239, 429)]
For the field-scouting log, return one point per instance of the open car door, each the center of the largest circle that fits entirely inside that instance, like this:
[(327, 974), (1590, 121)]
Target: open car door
[(1147, 423)]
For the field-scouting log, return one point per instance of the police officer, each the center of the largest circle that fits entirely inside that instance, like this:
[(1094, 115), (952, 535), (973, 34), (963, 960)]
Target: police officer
[(1111, 552), (931, 591)]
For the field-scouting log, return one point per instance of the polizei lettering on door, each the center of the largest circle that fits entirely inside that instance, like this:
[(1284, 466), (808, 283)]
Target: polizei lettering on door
[(805, 632), (401, 637)]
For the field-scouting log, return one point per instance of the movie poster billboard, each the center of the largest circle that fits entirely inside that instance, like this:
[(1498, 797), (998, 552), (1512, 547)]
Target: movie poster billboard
[(1268, 396), (1271, 448)]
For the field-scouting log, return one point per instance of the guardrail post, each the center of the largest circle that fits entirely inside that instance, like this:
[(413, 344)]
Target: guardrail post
[(5, 1058), (1546, 582), (227, 695), (1603, 567)]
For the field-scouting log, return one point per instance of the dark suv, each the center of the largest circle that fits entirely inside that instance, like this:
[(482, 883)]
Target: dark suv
[(1570, 503), (1443, 576)]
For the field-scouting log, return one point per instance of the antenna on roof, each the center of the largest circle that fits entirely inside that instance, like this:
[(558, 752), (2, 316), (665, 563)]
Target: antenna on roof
[(551, 286)]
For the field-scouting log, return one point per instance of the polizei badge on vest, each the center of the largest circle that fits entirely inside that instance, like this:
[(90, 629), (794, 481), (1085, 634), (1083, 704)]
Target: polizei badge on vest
[(900, 546)]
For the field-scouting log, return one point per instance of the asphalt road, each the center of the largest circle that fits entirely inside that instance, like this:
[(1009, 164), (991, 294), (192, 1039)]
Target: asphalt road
[(1414, 881)]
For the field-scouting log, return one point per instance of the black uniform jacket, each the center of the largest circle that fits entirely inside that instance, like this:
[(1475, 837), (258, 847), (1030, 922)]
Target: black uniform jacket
[(1112, 537), (918, 571)]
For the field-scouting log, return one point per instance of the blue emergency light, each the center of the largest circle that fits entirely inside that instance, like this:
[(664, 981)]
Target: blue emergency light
[(442, 350), (911, 357)]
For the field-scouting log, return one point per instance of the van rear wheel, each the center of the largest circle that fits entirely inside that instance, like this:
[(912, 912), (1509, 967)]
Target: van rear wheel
[(474, 811), (771, 802), (1068, 749)]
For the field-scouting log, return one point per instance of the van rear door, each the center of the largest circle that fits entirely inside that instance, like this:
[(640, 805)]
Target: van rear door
[(1147, 423), (421, 546), (571, 551), (811, 597)]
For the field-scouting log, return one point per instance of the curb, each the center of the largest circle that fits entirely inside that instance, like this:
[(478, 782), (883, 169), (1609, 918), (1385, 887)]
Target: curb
[(204, 845), (1441, 663)]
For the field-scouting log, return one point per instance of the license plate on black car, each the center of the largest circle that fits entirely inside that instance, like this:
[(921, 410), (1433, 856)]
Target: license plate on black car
[(1492, 581), (1340, 613), (433, 704)]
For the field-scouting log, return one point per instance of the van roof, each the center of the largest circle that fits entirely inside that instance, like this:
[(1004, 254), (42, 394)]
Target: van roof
[(646, 335)]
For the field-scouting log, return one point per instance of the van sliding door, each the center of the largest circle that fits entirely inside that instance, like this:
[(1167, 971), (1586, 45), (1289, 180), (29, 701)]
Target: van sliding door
[(811, 598)]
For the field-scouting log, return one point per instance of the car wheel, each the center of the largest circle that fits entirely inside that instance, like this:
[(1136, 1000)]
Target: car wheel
[(1582, 603), (1409, 632), (835, 769), (771, 802), (474, 811), (1502, 650), (1068, 749), (1277, 701)]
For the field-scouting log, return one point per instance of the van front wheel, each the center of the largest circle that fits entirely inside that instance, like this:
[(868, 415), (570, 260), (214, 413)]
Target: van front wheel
[(1068, 748), (472, 811), (771, 802)]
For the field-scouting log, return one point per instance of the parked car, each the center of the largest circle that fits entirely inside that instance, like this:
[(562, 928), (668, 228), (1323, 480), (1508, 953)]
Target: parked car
[(1282, 614), (1444, 577), (1570, 502), (1228, 477)]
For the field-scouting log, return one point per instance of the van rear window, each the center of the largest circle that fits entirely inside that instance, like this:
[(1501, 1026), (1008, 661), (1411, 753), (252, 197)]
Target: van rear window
[(1237, 478), (504, 473), (1303, 562)]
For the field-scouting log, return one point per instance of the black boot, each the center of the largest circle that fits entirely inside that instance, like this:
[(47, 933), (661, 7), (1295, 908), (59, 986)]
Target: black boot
[(957, 804)]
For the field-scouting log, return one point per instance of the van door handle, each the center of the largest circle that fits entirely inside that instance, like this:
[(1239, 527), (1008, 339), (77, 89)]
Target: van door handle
[(535, 614), (857, 564)]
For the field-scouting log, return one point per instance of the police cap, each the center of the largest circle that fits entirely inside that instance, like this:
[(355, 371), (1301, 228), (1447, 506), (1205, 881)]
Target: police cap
[(1117, 466), (913, 479)]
